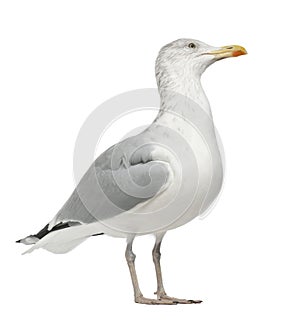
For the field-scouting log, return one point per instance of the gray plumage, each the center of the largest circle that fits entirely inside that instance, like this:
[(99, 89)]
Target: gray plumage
[(157, 180)]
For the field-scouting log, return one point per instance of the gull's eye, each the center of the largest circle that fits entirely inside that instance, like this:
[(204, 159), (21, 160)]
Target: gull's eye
[(192, 45)]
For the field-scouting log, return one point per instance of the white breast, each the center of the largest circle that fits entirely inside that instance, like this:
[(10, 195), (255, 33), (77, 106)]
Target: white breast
[(191, 187), (203, 142)]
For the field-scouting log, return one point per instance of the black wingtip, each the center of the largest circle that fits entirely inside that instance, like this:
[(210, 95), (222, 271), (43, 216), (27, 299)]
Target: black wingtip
[(18, 241), (97, 234)]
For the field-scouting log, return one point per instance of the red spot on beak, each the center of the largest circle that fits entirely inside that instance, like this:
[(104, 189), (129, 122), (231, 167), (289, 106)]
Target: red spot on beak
[(237, 53)]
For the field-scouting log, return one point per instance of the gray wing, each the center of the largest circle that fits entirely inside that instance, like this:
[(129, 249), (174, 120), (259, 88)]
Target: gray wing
[(120, 178)]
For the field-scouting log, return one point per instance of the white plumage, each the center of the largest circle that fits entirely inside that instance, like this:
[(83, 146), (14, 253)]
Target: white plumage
[(157, 180)]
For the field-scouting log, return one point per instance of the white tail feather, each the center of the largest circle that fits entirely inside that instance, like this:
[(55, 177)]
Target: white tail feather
[(64, 240)]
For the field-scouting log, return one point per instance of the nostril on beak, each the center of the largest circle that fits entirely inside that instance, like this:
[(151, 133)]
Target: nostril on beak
[(229, 48)]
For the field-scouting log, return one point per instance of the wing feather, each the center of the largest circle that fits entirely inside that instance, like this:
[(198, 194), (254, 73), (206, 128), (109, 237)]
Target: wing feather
[(122, 177)]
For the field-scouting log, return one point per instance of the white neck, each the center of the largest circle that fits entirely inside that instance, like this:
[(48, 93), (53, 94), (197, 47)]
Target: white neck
[(181, 90)]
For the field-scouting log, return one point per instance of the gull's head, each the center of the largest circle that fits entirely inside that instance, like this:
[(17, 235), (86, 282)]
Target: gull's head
[(189, 57)]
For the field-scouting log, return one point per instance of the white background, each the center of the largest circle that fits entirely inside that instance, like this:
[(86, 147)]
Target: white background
[(59, 61)]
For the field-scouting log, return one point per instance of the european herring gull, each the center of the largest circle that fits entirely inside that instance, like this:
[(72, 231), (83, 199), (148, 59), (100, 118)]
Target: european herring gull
[(157, 180)]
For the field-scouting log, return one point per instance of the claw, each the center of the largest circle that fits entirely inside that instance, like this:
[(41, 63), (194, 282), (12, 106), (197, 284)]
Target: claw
[(180, 301)]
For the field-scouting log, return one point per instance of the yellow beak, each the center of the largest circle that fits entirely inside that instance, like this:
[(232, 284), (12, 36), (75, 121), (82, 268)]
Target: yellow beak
[(228, 51)]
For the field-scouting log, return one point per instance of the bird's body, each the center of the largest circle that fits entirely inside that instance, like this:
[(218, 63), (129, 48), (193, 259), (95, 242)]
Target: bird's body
[(167, 128), (155, 181)]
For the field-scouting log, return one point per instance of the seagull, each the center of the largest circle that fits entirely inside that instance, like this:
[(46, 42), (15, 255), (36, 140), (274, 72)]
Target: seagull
[(157, 180)]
